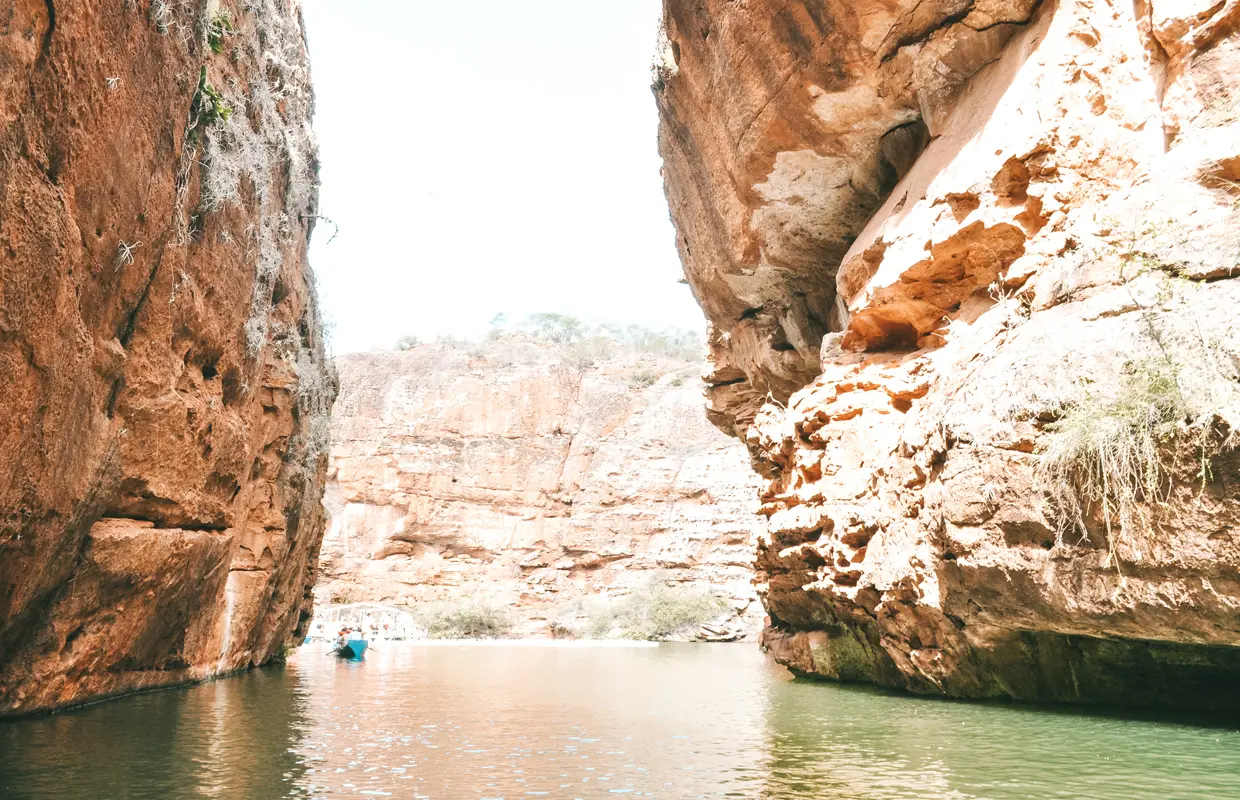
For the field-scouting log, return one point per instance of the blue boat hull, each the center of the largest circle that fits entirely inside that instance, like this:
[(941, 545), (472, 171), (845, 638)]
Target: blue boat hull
[(352, 649)]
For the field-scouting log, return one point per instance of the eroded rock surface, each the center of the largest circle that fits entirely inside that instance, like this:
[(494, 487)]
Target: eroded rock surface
[(509, 471), (784, 127), (952, 224), (164, 390)]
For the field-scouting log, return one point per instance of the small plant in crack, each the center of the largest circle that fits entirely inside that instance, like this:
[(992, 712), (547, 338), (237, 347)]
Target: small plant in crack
[(1018, 301), (218, 30), (208, 106), (124, 254)]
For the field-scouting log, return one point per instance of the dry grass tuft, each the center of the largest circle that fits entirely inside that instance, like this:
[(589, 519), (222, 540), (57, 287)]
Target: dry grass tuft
[(1106, 451), (1118, 450)]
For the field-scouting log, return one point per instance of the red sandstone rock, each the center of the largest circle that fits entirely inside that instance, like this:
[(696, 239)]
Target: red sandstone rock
[(164, 391)]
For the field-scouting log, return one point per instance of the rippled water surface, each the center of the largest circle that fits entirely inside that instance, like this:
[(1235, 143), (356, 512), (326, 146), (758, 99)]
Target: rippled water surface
[(674, 721)]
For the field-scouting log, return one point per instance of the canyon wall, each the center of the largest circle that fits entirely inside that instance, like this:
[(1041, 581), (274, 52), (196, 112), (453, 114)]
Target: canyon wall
[(164, 389), (516, 471), (968, 266)]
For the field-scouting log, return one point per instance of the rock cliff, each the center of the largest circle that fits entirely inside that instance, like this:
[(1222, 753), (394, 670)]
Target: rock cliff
[(509, 470), (162, 374), (969, 266)]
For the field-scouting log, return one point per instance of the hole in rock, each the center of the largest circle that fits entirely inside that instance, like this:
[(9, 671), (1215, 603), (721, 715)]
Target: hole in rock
[(901, 147), (279, 292), (887, 334), (232, 386), (72, 637)]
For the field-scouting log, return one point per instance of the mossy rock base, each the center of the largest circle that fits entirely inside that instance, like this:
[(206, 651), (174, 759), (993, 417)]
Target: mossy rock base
[(1034, 666), (1053, 667)]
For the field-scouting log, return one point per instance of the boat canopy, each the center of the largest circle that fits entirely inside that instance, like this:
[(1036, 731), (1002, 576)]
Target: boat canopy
[(375, 620)]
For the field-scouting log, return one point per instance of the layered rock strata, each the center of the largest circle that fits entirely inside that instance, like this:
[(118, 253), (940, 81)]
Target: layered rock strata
[(925, 232), (165, 392), (515, 473)]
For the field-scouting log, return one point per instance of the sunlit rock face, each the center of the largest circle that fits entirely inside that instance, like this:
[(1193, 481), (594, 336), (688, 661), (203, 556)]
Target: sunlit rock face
[(783, 128), (164, 390), (517, 473), (924, 232)]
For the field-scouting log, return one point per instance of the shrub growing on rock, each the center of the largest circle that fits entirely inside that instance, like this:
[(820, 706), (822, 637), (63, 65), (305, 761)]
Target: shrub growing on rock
[(652, 612), (465, 619), (664, 613), (1119, 449), (1105, 450), (643, 378)]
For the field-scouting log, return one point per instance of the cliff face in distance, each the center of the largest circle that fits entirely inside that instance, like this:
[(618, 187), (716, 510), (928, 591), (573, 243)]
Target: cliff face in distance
[(509, 471), (969, 268), (164, 389)]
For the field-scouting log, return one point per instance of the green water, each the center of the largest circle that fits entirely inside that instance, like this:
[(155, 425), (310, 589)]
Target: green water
[(676, 721)]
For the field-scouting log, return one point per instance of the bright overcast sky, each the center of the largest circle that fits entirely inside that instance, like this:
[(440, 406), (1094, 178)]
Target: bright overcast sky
[(484, 157)]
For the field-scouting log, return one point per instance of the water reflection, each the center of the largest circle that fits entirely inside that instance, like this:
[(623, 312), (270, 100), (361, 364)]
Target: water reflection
[(515, 721), (861, 743), (681, 721), (234, 738)]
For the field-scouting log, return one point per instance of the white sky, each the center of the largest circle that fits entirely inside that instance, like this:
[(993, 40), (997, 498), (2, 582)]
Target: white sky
[(489, 156)]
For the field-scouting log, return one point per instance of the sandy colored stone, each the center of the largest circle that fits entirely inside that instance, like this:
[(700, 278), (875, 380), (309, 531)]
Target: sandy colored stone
[(509, 471), (162, 375), (1074, 211), (783, 127)]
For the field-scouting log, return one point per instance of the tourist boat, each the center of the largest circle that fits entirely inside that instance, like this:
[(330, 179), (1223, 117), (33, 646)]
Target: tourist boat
[(353, 649)]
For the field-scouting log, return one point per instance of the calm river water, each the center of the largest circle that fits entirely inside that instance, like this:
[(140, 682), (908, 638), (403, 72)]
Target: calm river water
[(675, 721)]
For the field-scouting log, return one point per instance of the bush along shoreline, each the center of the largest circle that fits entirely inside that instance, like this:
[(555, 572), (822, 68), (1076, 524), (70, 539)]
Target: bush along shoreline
[(651, 611)]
